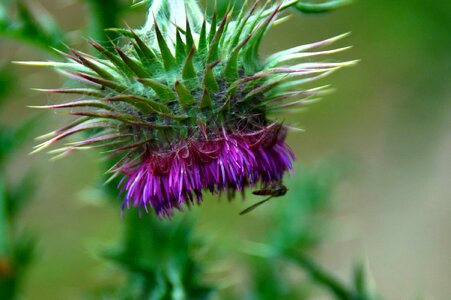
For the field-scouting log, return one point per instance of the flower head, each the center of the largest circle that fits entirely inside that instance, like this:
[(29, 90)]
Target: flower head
[(185, 103)]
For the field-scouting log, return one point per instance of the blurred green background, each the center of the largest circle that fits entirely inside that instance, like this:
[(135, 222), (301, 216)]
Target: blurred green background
[(390, 117)]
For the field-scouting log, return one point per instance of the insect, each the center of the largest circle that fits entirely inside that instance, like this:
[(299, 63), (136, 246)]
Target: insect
[(275, 189)]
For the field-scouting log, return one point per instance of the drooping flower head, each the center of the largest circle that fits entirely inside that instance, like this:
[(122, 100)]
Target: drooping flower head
[(185, 103)]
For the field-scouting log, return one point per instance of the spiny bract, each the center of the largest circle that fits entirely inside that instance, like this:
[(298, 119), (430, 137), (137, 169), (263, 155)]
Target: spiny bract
[(184, 103)]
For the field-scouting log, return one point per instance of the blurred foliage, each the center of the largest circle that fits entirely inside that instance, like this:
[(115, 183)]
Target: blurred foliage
[(12, 138), (296, 230), (7, 80), (424, 69), (310, 197), (103, 14), (19, 22), (159, 257), (16, 247), (162, 258)]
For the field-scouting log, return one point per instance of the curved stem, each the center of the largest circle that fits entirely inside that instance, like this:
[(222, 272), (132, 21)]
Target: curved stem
[(320, 276), (313, 8)]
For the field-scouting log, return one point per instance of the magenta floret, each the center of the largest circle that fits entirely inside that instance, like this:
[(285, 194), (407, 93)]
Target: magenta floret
[(229, 162)]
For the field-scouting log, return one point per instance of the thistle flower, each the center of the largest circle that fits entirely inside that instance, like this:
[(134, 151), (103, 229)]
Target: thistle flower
[(185, 103)]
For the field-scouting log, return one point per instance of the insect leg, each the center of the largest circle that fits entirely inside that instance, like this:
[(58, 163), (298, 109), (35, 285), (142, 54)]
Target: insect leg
[(254, 206)]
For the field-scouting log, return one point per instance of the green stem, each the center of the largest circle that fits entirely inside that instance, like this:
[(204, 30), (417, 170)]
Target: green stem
[(309, 7), (320, 7), (320, 276), (4, 231), (103, 14)]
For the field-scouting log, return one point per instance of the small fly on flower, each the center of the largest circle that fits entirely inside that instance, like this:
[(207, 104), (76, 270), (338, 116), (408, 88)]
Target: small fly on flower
[(273, 190)]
